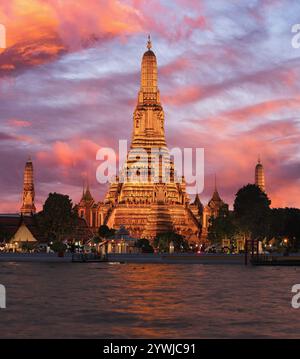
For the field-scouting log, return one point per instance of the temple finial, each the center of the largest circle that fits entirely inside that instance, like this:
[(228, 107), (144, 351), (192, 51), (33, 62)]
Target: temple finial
[(215, 182), (83, 188), (87, 181), (149, 44), (258, 160)]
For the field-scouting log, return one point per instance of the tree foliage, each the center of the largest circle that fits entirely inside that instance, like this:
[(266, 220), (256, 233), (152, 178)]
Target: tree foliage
[(58, 217), (105, 232), (162, 242), (252, 211), (285, 222), (144, 245), (4, 235), (222, 226), (58, 246), (27, 246)]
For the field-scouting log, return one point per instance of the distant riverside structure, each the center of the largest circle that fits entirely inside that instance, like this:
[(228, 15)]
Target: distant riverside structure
[(212, 209), (260, 176), (19, 230), (147, 208), (28, 207)]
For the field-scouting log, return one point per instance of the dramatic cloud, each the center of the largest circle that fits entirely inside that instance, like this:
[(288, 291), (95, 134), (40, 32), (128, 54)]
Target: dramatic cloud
[(40, 31), (228, 75)]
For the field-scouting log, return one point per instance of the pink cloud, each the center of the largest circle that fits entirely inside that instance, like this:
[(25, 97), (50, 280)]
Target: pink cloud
[(262, 109), (226, 71), (182, 95), (177, 65), (19, 123), (69, 154)]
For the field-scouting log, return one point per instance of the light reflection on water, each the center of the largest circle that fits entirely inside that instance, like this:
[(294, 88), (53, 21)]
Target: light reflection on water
[(97, 300)]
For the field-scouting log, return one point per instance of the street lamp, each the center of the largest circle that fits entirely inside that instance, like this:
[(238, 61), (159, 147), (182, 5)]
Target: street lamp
[(285, 241)]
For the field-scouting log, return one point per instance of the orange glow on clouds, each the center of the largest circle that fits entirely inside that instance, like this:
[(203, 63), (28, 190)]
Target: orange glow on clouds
[(223, 87), (69, 154), (39, 31)]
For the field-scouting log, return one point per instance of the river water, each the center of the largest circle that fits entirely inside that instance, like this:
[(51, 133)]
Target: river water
[(101, 300)]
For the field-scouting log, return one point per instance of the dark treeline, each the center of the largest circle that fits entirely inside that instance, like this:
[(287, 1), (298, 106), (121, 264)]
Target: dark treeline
[(252, 218)]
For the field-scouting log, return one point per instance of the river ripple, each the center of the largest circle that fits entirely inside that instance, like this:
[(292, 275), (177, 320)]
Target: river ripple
[(99, 300)]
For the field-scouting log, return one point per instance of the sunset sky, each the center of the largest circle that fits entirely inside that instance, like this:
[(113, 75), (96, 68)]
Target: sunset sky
[(228, 75)]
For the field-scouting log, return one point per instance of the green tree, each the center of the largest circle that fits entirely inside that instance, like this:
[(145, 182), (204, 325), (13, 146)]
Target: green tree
[(162, 242), (96, 239), (58, 247), (4, 235), (278, 218), (58, 217), (292, 227), (144, 245), (27, 246), (285, 224), (252, 211), (105, 232), (222, 226)]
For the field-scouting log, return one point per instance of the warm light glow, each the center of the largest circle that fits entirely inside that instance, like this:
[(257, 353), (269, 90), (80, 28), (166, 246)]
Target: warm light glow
[(207, 90)]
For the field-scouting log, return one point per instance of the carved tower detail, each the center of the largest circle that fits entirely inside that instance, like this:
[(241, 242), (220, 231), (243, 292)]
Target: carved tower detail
[(260, 176), (28, 207), (143, 198)]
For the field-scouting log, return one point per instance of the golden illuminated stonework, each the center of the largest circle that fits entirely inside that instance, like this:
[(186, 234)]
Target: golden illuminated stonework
[(145, 207), (260, 176), (28, 207)]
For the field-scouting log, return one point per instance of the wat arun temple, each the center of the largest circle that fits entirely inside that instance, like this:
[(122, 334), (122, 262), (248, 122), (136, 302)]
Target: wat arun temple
[(142, 200), (147, 207)]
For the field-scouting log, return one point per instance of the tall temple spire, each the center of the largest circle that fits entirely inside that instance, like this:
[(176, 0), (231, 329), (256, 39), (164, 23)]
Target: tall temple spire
[(86, 193), (216, 183), (87, 182), (83, 189), (148, 127), (149, 77), (149, 44), (142, 199), (215, 197), (28, 207), (260, 175)]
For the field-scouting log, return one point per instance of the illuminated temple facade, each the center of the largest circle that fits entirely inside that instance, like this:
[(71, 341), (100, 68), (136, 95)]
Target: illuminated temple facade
[(145, 207)]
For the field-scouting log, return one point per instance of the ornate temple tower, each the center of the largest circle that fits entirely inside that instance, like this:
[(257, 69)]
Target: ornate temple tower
[(85, 206), (28, 207), (212, 209), (260, 176), (148, 118), (142, 198)]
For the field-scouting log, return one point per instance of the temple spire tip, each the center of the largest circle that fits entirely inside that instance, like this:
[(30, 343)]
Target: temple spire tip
[(216, 183), (149, 44)]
